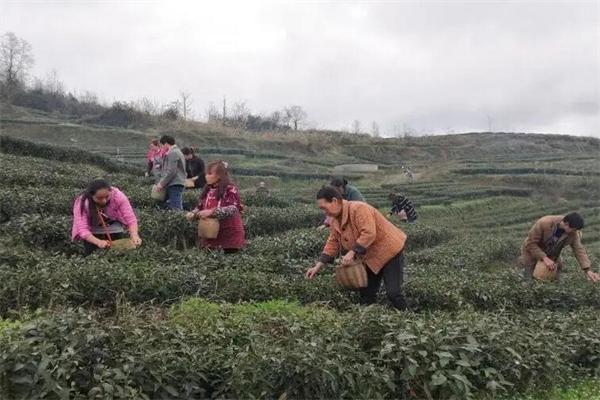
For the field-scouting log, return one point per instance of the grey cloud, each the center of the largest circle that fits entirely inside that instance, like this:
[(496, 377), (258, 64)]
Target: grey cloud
[(435, 66)]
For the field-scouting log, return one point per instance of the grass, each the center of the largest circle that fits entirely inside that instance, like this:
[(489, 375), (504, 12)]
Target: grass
[(584, 389)]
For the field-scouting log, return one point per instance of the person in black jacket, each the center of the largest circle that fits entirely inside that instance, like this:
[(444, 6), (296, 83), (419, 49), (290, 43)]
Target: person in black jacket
[(403, 207), (194, 166)]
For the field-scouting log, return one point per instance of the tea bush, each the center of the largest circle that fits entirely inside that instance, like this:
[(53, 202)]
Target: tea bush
[(19, 147), (33, 279), (279, 349), (296, 243), (521, 171), (253, 199), (279, 173), (45, 232), (158, 227), (41, 174), (252, 326), (437, 356), (268, 220), (28, 200), (32, 283), (75, 356)]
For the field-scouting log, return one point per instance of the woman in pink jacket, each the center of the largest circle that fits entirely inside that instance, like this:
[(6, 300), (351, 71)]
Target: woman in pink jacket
[(101, 214), (154, 159)]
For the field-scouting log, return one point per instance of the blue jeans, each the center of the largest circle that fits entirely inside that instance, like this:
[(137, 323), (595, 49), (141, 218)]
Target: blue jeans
[(175, 197)]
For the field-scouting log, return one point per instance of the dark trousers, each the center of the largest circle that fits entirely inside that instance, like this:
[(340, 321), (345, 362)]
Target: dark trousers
[(392, 274), (89, 248)]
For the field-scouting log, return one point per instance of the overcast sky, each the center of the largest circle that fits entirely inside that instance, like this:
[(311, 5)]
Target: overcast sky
[(433, 66)]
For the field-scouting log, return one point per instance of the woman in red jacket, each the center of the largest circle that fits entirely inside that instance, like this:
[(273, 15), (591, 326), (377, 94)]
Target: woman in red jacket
[(220, 199)]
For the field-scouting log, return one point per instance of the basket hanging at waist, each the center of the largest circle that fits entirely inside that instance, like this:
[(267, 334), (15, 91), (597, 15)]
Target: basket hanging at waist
[(208, 228), (158, 195), (542, 272), (353, 276)]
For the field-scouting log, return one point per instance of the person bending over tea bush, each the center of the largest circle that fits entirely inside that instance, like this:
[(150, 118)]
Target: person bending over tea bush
[(101, 214), (545, 241), (365, 233), (403, 208), (220, 200)]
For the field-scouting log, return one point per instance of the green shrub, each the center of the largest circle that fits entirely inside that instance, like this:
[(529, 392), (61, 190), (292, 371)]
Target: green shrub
[(44, 232), (170, 228), (424, 236), (36, 279), (268, 220), (21, 147), (75, 356), (297, 243), (429, 356), (42, 280), (278, 173), (523, 170), (253, 199), (35, 200), (40, 173), (167, 228)]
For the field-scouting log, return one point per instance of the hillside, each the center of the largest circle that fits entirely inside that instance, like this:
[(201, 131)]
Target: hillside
[(172, 321), (61, 130)]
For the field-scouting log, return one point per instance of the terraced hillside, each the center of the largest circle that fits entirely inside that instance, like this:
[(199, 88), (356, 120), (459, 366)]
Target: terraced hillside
[(171, 321)]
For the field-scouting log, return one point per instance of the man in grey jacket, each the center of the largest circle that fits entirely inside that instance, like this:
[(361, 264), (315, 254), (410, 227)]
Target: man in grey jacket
[(173, 173)]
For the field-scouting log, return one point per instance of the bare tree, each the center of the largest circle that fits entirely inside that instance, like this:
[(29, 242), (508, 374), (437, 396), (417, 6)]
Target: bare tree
[(186, 104), (171, 111), (375, 129), (489, 121), (212, 113), (407, 131), (356, 126), (37, 84), (240, 113), (276, 118), (148, 106), (53, 84), (294, 116), (397, 130), (88, 97), (16, 59)]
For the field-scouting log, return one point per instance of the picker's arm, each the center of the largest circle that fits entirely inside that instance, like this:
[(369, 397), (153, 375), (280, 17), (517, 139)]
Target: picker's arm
[(332, 247), (580, 253)]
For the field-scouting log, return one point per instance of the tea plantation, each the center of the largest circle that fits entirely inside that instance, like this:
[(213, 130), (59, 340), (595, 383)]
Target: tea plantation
[(169, 321)]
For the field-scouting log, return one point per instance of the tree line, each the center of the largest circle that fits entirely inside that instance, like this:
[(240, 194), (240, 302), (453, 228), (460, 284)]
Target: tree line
[(49, 94)]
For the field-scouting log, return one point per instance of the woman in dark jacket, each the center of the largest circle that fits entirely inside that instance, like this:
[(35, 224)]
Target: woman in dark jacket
[(194, 167)]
